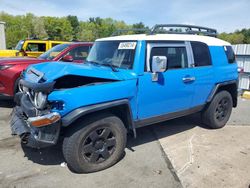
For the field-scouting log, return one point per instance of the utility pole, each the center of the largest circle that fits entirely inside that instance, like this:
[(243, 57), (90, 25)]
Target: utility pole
[(2, 36)]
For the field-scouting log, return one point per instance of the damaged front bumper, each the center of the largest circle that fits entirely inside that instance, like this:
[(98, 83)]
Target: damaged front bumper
[(34, 131)]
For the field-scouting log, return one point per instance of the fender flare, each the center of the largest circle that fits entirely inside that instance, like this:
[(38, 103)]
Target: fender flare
[(219, 85), (82, 111)]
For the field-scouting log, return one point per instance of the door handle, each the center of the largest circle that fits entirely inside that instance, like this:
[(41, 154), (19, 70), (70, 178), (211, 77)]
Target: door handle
[(188, 79)]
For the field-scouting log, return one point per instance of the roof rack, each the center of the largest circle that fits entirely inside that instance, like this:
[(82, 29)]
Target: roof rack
[(136, 30), (178, 29)]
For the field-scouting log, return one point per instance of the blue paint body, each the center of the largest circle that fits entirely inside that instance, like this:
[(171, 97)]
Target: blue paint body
[(147, 99)]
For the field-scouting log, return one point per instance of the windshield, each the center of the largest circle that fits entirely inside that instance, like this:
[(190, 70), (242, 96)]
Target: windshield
[(19, 45), (53, 52), (118, 54)]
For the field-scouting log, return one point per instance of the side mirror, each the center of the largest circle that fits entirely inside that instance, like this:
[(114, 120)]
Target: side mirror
[(22, 52), (68, 58), (159, 64)]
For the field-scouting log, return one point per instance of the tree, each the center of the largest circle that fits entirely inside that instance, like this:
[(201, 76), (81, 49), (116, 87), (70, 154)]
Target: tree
[(141, 27), (39, 28), (70, 28), (74, 24), (58, 28), (233, 38)]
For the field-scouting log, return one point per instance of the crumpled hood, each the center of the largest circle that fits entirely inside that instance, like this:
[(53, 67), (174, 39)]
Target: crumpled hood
[(18, 60), (55, 70)]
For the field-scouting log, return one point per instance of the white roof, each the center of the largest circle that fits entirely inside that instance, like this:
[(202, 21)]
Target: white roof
[(210, 41)]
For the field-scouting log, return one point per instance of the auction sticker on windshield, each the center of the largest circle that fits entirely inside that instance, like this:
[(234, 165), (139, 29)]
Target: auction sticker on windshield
[(127, 46)]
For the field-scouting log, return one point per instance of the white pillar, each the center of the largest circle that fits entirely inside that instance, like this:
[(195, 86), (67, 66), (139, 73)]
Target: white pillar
[(2, 36)]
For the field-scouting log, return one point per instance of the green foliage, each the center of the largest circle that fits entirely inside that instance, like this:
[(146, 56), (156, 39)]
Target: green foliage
[(63, 28), (74, 24), (233, 38), (70, 28), (238, 37), (58, 28)]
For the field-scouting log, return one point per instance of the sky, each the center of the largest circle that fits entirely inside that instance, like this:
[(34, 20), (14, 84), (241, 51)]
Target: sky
[(223, 15)]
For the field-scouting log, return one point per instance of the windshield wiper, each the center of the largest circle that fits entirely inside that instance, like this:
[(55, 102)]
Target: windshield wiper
[(93, 62), (104, 64), (112, 67)]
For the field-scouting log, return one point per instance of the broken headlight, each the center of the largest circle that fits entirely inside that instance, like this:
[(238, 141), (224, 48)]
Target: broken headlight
[(40, 100)]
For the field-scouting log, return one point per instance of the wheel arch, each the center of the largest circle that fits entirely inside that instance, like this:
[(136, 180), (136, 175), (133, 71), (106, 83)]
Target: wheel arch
[(230, 86), (119, 108)]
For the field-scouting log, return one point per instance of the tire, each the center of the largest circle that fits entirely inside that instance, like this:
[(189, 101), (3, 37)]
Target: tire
[(218, 111), (99, 144)]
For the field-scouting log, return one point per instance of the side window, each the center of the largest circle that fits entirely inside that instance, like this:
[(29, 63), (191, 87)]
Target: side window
[(230, 54), (80, 53), (36, 47), (201, 54), (176, 56)]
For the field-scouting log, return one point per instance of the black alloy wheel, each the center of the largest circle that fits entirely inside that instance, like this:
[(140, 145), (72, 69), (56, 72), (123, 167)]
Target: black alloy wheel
[(218, 111), (94, 143), (222, 109), (99, 145)]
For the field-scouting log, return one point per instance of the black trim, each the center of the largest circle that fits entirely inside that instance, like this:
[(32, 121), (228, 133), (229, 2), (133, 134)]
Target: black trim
[(217, 86), (38, 87), (77, 113), (136, 30), (5, 97), (189, 29), (165, 117), (33, 136)]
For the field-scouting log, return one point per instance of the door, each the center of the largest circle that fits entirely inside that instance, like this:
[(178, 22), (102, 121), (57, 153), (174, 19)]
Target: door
[(174, 89), (203, 71)]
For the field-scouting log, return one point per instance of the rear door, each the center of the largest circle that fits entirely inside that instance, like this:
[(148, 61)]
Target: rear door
[(203, 71), (174, 89)]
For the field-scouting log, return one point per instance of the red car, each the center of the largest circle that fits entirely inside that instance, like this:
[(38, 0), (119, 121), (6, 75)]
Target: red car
[(11, 68)]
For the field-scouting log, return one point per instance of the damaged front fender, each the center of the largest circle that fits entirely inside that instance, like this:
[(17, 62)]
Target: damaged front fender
[(77, 97)]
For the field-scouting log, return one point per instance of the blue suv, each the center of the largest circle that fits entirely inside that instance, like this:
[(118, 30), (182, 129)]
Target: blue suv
[(127, 82)]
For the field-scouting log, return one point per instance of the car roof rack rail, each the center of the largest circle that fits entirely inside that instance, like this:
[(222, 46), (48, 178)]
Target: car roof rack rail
[(135, 30), (183, 29)]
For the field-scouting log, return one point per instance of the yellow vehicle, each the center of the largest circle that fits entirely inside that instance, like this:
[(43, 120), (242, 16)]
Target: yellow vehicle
[(30, 47)]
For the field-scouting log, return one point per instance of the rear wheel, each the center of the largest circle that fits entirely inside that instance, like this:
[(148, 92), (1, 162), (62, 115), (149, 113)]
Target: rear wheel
[(97, 146), (219, 110)]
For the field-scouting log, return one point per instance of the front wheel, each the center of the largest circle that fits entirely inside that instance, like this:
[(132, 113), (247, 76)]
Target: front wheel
[(218, 111), (97, 146)]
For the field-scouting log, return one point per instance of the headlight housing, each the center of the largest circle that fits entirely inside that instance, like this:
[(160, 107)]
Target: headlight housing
[(40, 100)]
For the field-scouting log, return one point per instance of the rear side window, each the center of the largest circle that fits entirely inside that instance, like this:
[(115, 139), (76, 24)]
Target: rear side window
[(36, 47), (201, 54), (230, 54)]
